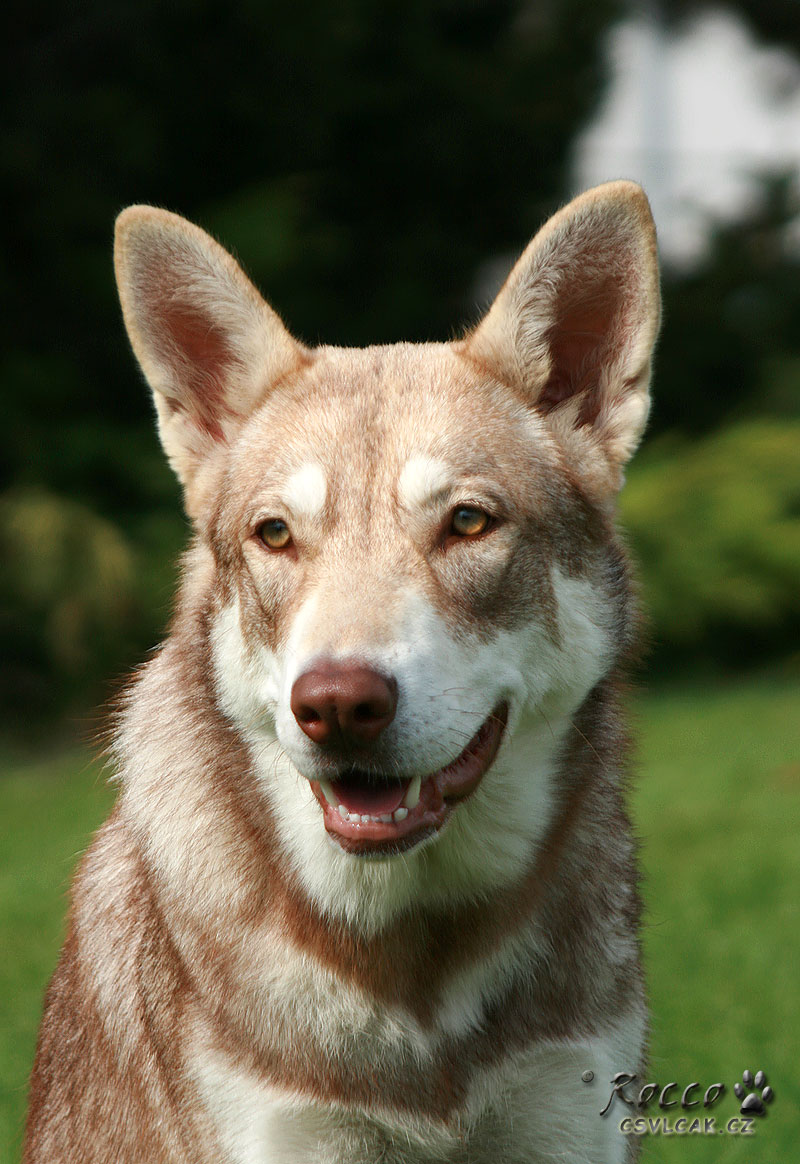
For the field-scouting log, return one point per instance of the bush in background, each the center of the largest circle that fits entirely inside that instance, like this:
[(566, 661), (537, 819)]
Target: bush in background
[(715, 526), (80, 600)]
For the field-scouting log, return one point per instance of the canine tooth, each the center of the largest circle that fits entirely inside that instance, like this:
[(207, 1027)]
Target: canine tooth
[(411, 798), (343, 811), (400, 814), (329, 793)]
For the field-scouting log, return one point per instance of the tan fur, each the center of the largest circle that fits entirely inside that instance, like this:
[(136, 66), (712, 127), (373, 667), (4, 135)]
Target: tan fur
[(236, 985)]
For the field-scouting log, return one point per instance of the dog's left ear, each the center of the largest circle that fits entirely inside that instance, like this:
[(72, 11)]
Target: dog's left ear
[(574, 325), (208, 344)]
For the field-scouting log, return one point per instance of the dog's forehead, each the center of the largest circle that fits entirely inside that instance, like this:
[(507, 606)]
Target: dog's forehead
[(412, 417)]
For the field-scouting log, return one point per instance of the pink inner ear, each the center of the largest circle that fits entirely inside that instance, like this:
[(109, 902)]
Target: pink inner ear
[(583, 338), (204, 362)]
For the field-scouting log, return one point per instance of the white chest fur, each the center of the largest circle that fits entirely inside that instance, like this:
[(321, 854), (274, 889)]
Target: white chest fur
[(533, 1109)]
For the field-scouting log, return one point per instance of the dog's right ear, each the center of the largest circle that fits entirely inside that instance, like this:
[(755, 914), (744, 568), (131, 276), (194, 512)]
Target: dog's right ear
[(208, 344), (573, 328)]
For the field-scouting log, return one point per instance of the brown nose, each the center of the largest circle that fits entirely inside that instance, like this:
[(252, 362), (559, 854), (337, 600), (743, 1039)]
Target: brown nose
[(340, 703)]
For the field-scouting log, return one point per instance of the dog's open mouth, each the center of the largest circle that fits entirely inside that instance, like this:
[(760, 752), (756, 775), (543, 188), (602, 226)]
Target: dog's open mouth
[(368, 815)]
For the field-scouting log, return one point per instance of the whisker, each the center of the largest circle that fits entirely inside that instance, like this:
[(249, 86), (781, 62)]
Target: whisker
[(585, 739)]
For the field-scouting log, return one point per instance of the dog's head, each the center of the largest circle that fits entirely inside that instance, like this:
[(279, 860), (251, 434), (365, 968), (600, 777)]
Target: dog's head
[(405, 557)]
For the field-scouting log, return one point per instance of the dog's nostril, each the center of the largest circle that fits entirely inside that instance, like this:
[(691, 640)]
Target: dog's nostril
[(367, 711)]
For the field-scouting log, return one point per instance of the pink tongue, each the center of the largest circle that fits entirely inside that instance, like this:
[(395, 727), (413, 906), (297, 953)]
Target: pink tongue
[(370, 799)]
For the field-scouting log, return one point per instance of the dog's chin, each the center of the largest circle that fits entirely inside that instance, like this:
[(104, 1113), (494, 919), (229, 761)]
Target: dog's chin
[(369, 817)]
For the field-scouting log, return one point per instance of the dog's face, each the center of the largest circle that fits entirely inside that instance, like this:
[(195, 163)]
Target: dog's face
[(396, 590), (409, 566)]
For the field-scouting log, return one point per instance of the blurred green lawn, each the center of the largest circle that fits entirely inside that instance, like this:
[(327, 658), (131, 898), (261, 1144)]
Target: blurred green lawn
[(717, 804)]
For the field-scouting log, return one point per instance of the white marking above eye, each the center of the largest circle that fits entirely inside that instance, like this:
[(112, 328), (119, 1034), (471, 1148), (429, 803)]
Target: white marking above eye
[(421, 480), (306, 491)]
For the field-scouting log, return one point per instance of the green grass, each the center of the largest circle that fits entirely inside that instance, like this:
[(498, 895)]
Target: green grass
[(48, 811), (717, 805)]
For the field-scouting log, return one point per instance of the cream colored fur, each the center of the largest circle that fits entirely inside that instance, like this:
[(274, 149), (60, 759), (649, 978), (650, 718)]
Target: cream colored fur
[(233, 961)]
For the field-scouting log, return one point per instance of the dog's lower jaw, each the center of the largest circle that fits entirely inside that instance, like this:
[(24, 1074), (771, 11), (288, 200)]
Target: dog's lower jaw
[(426, 803)]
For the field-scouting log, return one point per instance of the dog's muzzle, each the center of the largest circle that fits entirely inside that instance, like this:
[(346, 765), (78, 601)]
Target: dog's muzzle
[(343, 708)]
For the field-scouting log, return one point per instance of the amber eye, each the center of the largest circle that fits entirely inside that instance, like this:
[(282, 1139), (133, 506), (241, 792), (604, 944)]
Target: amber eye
[(275, 534), (469, 522)]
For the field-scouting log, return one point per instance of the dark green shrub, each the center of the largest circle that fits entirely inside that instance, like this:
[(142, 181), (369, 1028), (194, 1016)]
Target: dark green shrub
[(715, 526)]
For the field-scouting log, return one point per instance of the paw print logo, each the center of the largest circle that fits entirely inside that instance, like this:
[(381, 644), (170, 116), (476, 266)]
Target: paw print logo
[(752, 1101)]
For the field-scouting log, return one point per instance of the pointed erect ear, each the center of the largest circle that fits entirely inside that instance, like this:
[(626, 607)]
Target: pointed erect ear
[(574, 325), (207, 342)]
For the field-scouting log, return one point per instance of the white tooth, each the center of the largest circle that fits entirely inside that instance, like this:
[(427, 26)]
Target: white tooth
[(411, 798), (329, 793), (400, 814), (386, 817), (354, 818), (343, 811)]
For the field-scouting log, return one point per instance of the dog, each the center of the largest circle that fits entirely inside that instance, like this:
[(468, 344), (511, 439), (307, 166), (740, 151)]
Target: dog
[(369, 890)]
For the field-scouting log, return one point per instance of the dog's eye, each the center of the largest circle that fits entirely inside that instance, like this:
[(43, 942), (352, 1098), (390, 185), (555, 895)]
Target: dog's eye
[(275, 534), (468, 521)]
